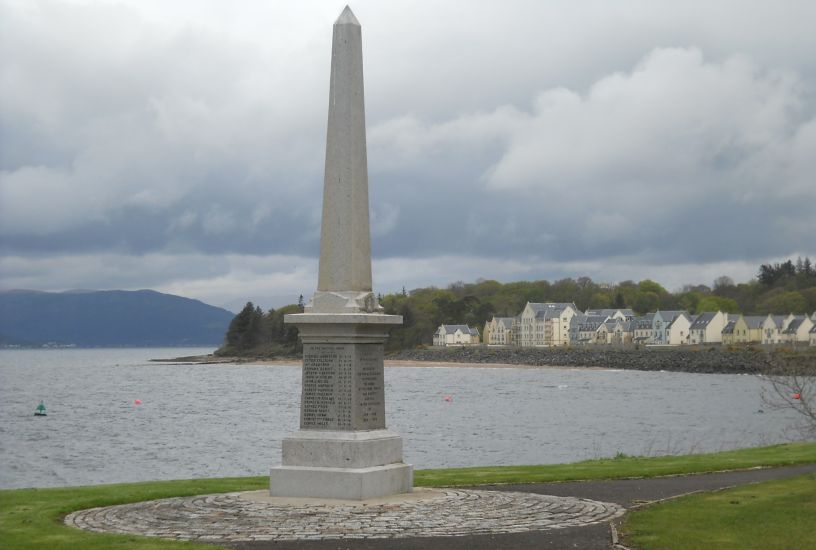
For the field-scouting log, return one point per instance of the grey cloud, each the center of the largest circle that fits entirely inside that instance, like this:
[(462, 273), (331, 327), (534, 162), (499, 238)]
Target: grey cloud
[(555, 135)]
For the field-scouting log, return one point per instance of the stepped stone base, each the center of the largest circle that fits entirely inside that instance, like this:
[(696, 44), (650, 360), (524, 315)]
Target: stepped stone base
[(340, 483), (350, 465)]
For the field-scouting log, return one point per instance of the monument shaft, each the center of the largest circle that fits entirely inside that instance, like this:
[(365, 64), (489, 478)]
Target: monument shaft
[(345, 242), (343, 449)]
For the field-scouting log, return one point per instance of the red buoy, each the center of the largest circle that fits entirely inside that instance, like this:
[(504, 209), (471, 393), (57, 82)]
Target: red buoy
[(448, 398), (137, 401), (797, 396)]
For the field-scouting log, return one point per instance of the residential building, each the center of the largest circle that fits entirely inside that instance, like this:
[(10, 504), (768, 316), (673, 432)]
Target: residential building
[(498, 331), (677, 331), (812, 334), (660, 325), (729, 336), (773, 326), (515, 331), (546, 324), (574, 326), (622, 314), (746, 329), (628, 334), (798, 330), (642, 330), (584, 328), (455, 335), (707, 328), (614, 331)]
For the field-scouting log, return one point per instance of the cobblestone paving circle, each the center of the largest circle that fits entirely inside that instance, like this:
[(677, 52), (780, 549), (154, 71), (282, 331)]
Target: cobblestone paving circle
[(229, 518)]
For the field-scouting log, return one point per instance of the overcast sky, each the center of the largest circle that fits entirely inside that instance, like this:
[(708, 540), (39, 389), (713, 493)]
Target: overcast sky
[(179, 145)]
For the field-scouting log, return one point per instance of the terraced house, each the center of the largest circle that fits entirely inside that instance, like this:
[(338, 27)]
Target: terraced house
[(615, 331), (584, 328), (707, 328), (455, 335), (773, 326), (744, 329), (622, 314), (662, 333), (546, 324), (498, 331), (798, 330), (643, 329)]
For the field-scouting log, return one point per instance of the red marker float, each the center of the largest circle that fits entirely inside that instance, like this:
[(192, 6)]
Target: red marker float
[(448, 398), (797, 396), (137, 401)]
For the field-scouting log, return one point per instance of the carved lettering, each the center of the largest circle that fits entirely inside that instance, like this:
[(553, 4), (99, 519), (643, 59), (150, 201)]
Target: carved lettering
[(342, 387)]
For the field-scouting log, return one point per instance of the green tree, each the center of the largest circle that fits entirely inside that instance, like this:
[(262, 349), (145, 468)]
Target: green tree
[(781, 301), (244, 331), (647, 285), (645, 302), (717, 303), (689, 300)]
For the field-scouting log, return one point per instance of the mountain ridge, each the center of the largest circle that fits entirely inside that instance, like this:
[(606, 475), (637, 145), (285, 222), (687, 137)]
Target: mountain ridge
[(108, 318)]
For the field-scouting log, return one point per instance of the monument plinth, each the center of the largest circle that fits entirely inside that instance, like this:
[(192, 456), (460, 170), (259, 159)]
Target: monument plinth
[(343, 449)]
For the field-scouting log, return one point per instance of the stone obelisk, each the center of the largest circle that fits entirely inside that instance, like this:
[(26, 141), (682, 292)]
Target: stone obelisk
[(343, 449)]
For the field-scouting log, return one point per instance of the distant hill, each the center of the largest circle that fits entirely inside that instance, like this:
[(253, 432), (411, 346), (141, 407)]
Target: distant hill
[(110, 318)]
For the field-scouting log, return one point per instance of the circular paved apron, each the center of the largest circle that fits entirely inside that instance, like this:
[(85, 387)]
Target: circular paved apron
[(237, 517)]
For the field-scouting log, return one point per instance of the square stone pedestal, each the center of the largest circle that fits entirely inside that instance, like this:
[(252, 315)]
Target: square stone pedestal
[(343, 449), (353, 465)]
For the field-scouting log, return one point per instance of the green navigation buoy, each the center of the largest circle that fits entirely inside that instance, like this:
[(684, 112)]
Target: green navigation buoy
[(40, 410)]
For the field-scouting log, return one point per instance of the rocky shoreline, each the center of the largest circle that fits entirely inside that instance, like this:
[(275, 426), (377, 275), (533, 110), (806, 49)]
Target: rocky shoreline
[(706, 360), (694, 360)]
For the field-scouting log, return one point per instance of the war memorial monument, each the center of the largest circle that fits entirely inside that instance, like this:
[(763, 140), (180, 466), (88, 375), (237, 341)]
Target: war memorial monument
[(343, 449), (342, 474)]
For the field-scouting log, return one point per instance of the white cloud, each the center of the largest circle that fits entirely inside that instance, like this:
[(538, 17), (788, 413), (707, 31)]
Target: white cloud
[(550, 138)]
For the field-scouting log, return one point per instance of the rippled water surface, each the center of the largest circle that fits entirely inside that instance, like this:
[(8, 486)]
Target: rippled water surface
[(228, 420)]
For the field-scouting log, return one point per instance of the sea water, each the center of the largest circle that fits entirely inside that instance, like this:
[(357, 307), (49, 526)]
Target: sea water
[(228, 419)]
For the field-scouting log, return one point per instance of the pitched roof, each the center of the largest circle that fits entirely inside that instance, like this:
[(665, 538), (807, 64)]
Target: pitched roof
[(703, 319), (670, 314), (778, 320), (550, 306), (597, 318), (577, 319), (676, 317), (729, 327), (591, 322), (506, 322), (453, 328), (794, 325), (754, 321), (611, 312)]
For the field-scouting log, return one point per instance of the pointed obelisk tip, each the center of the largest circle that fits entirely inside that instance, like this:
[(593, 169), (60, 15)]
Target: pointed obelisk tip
[(347, 18)]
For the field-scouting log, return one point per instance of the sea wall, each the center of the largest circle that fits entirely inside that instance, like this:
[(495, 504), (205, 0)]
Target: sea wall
[(679, 359)]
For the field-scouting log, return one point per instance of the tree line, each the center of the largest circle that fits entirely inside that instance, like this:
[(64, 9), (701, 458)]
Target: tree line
[(788, 287)]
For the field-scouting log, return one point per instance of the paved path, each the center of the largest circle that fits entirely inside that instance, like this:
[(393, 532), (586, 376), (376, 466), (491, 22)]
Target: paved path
[(255, 516), (543, 515)]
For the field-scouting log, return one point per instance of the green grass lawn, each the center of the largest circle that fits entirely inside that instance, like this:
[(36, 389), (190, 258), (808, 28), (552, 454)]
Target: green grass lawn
[(774, 515), (32, 518), (623, 467)]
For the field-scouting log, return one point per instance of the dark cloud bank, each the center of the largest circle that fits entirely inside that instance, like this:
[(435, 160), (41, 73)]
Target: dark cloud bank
[(191, 152)]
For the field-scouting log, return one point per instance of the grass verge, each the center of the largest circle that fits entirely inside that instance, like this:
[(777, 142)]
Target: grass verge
[(623, 467), (32, 518), (773, 515)]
